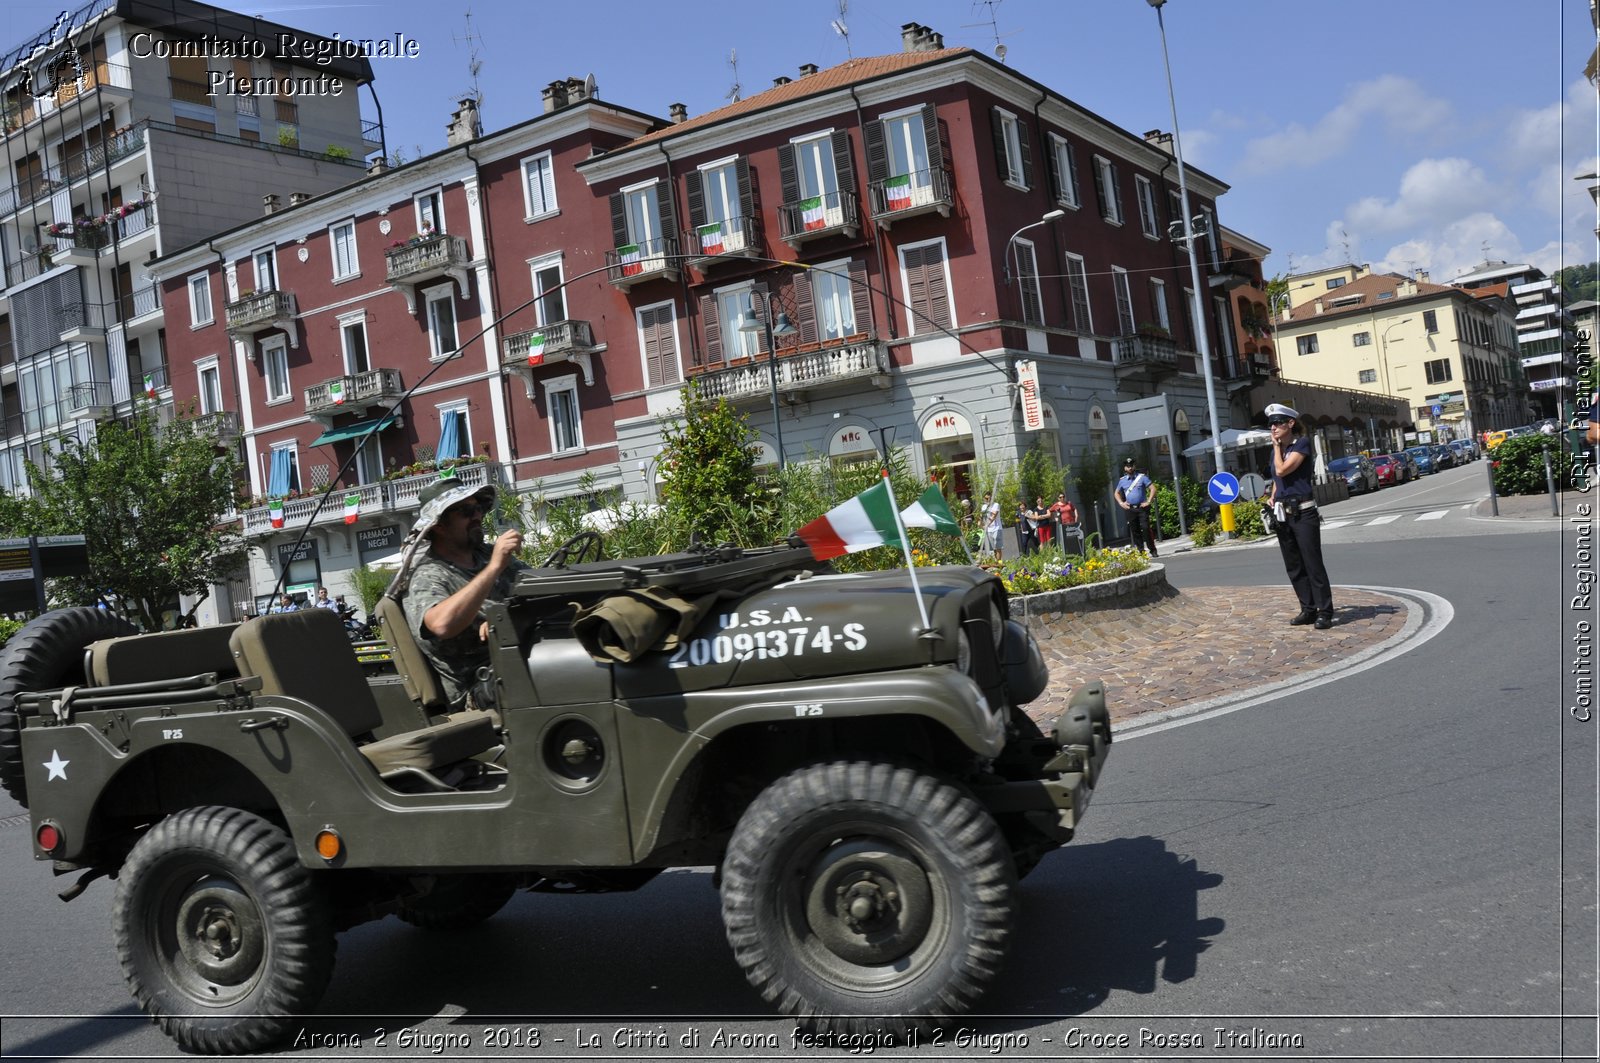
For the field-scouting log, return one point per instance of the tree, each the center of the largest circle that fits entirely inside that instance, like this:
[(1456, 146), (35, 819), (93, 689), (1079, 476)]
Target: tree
[(708, 472), (149, 501), (1579, 283)]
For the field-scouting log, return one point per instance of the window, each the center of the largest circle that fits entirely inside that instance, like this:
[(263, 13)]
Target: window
[(1361, 339), (1147, 204), (210, 387), (1439, 371), (283, 473), (1306, 344), (1105, 188), (907, 144), (455, 432), (1066, 171), (813, 164), (538, 186), (430, 212), (1335, 282), (733, 311), (342, 237), (550, 300), (1078, 284), (566, 430), (441, 320), (835, 307), (658, 341), (642, 217), (1188, 317), (928, 307), (1209, 227), (275, 362), (719, 184), (1119, 284), (369, 461), (200, 313), (1224, 326), (1158, 303), (1028, 283), (1010, 148), (1369, 376), (353, 338), (266, 265), (1430, 320)]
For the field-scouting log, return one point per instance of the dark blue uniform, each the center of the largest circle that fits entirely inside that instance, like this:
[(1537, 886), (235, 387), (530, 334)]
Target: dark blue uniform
[(1300, 534)]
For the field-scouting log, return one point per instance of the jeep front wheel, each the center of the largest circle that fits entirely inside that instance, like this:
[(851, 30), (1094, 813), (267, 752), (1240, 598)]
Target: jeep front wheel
[(868, 898), (223, 936)]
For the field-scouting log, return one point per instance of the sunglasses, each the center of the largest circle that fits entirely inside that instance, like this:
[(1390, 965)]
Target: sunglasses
[(469, 509), (1276, 421)]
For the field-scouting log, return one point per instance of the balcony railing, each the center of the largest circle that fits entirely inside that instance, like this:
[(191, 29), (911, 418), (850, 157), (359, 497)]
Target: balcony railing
[(89, 400), (113, 149), (387, 496), (734, 238), (345, 394), (553, 342), (1144, 352), (260, 311), (643, 261), (851, 360), (907, 195), (224, 426), (421, 260), (372, 133), (81, 321), (141, 301), (825, 215)]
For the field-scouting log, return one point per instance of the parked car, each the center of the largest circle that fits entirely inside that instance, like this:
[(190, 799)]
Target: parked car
[(1464, 451), (1410, 462), (1391, 470), (1421, 456), (1495, 438), (1357, 471), (1443, 456)]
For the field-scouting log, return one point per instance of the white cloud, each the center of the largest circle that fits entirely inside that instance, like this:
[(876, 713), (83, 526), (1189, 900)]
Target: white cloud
[(1398, 104), (1451, 250), (1433, 191)]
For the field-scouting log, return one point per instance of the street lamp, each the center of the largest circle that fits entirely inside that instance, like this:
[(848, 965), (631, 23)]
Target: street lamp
[(1045, 220), (1383, 351), (783, 327), (1202, 340)]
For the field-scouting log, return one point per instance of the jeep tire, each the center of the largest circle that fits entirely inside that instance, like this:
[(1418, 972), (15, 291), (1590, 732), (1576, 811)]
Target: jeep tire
[(868, 898), (224, 938), (47, 653), (457, 902)]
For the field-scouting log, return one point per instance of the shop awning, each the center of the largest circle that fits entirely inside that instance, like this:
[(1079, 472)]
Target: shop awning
[(352, 431)]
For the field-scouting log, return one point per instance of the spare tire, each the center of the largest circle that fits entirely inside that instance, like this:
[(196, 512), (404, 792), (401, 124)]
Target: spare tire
[(47, 653)]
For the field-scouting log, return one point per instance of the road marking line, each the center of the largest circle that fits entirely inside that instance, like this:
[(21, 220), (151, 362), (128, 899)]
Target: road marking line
[(1390, 519), (1329, 525), (1438, 514)]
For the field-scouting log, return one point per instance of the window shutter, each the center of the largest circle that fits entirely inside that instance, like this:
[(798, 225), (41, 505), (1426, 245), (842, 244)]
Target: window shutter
[(861, 296), (760, 307), (931, 134), (668, 205), (788, 180), (1027, 154), (619, 220), (1070, 178), (712, 329), (843, 165), (916, 292), (877, 152), (933, 277), (1052, 167), (1116, 194), (660, 356), (998, 127), (741, 170), (1102, 197), (805, 309), (696, 186)]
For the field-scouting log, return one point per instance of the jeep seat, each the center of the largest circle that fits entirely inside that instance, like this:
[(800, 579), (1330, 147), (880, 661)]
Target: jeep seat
[(163, 655), (306, 655), (416, 672)]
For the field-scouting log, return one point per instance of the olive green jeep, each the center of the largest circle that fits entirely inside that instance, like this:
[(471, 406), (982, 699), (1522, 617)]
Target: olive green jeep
[(867, 790)]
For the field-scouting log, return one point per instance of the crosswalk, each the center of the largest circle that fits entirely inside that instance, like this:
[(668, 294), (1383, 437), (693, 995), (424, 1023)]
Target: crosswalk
[(1390, 518)]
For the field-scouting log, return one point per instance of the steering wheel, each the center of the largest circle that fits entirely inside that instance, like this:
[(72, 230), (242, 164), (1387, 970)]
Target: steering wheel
[(577, 550)]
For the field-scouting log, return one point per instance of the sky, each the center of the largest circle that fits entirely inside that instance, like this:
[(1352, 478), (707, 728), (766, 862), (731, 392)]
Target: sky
[(1406, 134)]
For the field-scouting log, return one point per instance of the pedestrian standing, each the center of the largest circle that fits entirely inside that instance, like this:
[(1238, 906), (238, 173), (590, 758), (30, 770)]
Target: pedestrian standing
[(1294, 512), (989, 515), (1027, 530), (1133, 494)]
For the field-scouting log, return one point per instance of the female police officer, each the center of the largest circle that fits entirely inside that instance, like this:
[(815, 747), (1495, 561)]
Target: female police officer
[(1294, 511)]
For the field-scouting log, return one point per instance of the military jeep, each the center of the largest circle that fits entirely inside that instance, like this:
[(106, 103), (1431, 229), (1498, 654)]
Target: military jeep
[(868, 789)]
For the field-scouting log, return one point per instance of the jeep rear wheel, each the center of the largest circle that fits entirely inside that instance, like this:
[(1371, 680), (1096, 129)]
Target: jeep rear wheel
[(47, 653), (223, 937), (868, 898), (458, 901)]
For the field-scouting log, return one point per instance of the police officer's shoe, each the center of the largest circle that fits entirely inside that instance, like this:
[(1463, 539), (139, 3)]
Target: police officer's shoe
[(1324, 621), (1306, 616)]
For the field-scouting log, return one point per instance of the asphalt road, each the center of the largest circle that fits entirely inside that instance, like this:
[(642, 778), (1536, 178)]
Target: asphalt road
[(1399, 863)]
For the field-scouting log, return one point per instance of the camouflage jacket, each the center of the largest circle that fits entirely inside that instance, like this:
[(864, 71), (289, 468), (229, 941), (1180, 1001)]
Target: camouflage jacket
[(432, 581)]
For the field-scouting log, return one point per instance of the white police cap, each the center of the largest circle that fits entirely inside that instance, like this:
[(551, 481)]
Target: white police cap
[(1278, 409)]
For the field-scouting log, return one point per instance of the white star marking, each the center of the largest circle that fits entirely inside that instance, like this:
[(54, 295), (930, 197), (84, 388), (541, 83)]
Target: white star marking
[(56, 767)]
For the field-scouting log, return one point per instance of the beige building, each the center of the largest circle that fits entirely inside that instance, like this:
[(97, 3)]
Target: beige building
[(1449, 356)]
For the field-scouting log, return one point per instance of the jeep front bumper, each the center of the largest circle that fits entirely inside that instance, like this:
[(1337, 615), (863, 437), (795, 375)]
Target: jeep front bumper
[(1066, 767)]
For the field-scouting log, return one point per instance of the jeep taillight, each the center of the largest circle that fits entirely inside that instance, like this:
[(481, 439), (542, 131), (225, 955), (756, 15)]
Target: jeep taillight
[(47, 837)]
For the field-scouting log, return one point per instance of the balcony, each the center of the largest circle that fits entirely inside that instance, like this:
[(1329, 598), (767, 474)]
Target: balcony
[(297, 512), (109, 152), (32, 188), (353, 394), (261, 311), (721, 241), (647, 260), (907, 195), (403, 493), (141, 309), (371, 135), (79, 244), (223, 426), (82, 323), (1147, 355), (559, 341), (858, 359), (832, 214), (89, 400), (426, 259)]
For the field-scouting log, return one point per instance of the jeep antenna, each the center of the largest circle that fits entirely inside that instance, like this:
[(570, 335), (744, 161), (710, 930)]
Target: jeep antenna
[(733, 61), (474, 60), (841, 28)]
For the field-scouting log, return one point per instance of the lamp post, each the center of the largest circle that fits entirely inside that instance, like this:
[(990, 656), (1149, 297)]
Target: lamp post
[(1383, 351), (783, 327), (1045, 220), (1202, 340)]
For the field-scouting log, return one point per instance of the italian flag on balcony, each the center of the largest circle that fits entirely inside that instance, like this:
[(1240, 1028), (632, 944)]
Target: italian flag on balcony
[(336, 392), (275, 512), (812, 215), (898, 191), (149, 385), (711, 239), (536, 349), (628, 255), (352, 507)]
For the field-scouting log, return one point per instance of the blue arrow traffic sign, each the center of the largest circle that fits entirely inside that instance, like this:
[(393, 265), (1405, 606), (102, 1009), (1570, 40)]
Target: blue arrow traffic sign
[(1223, 488)]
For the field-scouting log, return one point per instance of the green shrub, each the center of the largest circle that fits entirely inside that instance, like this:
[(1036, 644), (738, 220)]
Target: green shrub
[(1196, 504), (1519, 464), (1204, 532), (337, 151), (1247, 520), (7, 629)]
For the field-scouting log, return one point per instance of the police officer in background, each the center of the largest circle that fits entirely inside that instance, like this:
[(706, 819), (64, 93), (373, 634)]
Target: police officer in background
[(1294, 513)]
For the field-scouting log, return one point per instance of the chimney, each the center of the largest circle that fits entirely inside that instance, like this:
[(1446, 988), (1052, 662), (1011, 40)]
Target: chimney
[(377, 166), (909, 35), (807, 69), (1159, 140), (1317, 305), (555, 96), (933, 42), (678, 112), (269, 203), (464, 127), (779, 81), (1422, 276), (297, 198), (1406, 289)]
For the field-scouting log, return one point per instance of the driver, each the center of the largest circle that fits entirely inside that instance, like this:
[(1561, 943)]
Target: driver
[(449, 585)]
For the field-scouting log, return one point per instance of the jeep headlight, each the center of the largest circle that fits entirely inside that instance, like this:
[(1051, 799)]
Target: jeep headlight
[(963, 653), (997, 623)]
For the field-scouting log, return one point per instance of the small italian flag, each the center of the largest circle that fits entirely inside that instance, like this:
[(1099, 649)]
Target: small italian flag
[(865, 521), (336, 393), (628, 255), (711, 239), (536, 349), (812, 215), (275, 512), (931, 511), (149, 386), (352, 507), (898, 191)]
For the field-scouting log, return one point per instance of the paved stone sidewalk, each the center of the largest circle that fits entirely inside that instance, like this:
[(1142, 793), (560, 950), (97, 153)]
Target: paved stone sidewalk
[(1200, 644)]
